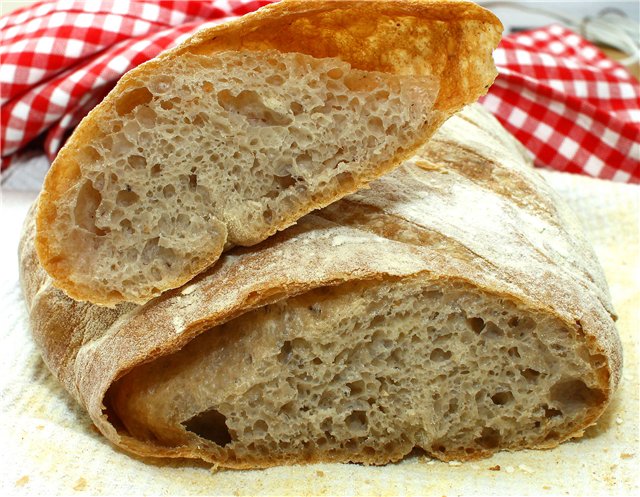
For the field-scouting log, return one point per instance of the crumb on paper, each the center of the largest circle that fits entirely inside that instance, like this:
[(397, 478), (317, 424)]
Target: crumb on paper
[(22, 481), (546, 487), (81, 484), (618, 420), (215, 468), (627, 455), (320, 473), (525, 468), (509, 469), (455, 463), (495, 468)]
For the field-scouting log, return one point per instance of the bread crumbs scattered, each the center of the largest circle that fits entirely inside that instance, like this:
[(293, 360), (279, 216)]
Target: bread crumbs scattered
[(455, 463), (546, 487), (495, 468), (618, 420), (20, 482), (525, 468), (81, 484), (320, 473), (626, 455), (509, 469)]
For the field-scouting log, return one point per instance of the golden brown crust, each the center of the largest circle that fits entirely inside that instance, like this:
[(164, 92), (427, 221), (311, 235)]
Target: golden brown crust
[(89, 347), (449, 40)]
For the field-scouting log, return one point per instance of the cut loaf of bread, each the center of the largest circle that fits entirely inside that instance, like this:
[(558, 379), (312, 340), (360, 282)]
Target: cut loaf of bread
[(453, 307), (246, 127)]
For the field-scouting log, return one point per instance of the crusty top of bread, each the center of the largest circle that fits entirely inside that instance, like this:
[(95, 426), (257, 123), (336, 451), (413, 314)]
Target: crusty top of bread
[(449, 42), (470, 209)]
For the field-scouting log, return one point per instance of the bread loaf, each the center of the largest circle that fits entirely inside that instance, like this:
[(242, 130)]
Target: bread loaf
[(244, 128), (453, 307)]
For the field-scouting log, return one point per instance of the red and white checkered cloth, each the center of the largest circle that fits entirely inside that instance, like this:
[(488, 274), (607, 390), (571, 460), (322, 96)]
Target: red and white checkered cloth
[(571, 106)]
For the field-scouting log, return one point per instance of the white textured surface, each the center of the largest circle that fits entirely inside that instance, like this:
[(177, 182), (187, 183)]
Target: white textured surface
[(51, 448)]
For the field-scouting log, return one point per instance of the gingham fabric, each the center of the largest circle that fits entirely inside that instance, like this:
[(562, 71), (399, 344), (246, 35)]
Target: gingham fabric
[(575, 109), (571, 106)]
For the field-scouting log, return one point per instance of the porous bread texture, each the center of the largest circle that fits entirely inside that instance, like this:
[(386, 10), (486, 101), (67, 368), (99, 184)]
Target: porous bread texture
[(447, 41), (366, 372), (224, 150), (468, 216)]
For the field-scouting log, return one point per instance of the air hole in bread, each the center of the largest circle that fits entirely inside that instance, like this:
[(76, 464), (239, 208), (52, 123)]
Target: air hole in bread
[(285, 352), (137, 161), (376, 126), (530, 374), (156, 274), (574, 394), (439, 355), (132, 99), (275, 80), (182, 222), (127, 227), (86, 206), (551, 412), (492, 331), (126, 198), (382, 95), (502, 398), (304, 160), (438, 448), (193, 182), (357, 422), (345, 179), (150, 250), (296, 108), (489, 438), (514, 352), (210, 425), (285, 182), (476, 324), (88, 154), (335, 73), (249, 104), (360, 82), (168, 191), (356, 387)]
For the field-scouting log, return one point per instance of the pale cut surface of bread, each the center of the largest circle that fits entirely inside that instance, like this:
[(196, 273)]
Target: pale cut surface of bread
[(454, 307), (240, 131), (368, 368)]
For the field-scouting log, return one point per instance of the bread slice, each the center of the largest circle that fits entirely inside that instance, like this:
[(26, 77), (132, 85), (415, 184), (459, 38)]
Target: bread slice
[(454, 307), (246, 127)]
